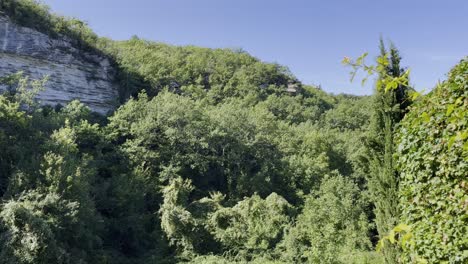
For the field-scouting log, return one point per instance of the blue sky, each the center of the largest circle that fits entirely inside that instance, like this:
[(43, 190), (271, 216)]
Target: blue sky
[(308, 36)]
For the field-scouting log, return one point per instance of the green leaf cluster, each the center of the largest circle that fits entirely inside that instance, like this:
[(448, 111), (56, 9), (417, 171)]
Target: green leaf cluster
[(433, 161)]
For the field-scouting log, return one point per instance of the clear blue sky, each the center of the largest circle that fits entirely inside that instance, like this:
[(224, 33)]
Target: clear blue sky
[(309, 36)]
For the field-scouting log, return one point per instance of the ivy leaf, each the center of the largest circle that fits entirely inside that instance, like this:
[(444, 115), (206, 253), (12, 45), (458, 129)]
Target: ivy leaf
[(425, 117), (450, 109), (401, 227), (415, 95), (380, 245), (451, 141), (391, 236), (405, 239)]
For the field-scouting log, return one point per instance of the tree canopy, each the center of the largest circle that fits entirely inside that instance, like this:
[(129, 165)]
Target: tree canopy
[(217, 157)]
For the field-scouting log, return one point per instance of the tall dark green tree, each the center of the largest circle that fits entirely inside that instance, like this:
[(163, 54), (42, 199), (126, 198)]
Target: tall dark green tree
[(390, 105)]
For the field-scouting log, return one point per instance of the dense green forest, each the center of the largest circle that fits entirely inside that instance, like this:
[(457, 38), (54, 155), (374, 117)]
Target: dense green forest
[(217, 157)]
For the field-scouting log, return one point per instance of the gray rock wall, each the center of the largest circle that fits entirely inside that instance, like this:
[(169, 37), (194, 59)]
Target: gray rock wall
[(72, 74)]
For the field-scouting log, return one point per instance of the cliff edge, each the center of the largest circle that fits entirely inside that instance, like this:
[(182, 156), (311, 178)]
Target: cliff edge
[(73, 74)]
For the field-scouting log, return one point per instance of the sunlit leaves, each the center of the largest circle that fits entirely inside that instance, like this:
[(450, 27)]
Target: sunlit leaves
[(433, 160), (385, 81)]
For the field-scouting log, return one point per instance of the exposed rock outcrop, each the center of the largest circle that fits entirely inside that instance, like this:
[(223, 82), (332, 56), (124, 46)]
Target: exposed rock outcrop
[(73, 74)]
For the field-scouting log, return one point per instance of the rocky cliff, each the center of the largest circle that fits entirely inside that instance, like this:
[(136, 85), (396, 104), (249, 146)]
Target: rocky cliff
[(73, 74)]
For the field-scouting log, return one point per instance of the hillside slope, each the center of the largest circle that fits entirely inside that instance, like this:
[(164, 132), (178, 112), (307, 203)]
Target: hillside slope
[(101, 72), (212, 157)]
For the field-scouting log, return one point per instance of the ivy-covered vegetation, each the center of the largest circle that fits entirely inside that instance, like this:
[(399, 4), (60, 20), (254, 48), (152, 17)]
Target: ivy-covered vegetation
[(217, 157), (433, 160)]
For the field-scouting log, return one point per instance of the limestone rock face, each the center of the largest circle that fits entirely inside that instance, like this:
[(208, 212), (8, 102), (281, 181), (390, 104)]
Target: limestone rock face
[(73, 74)]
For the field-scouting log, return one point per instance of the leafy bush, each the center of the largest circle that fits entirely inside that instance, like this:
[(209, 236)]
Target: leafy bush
[(332, 226), (32, 230), (253, 226), (433, 161)]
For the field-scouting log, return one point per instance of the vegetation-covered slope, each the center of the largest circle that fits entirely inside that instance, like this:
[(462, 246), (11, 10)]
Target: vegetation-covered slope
[(208, 160)]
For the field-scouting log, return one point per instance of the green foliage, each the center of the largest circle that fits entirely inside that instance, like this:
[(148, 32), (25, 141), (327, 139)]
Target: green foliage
[(26, 225), (351, 113), (210, 259), (249, 229), (389, 79), (183, 229), (13, 124), (33, 14), (227, 148), (402, 237), (75, 111), (233, 148), (32, 230), (16, 132), (253, 226), (390, 105), (22, 90), (224, 159), (333, 224), (196, 72), (433, 160)]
